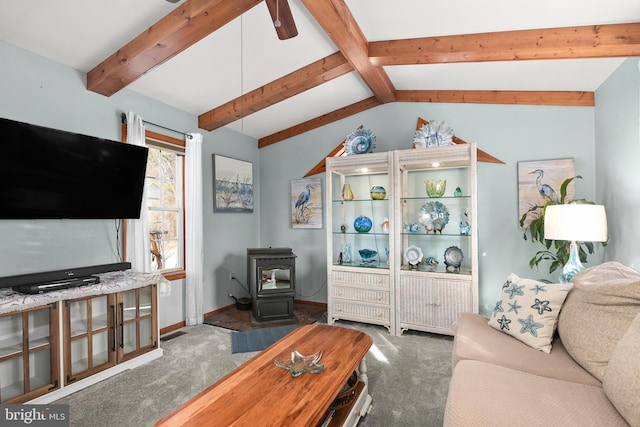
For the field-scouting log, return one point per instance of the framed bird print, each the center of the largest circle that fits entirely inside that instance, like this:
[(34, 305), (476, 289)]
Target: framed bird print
[(306, 203), (232, 185), (539, 182)]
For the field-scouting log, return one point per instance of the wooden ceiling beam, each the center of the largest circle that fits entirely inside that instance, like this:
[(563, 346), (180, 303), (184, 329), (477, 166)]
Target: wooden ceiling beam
[(310, 76), (564, 98), (337, 21), (597, 41), (560, 98), (320, 121), (187, 24)]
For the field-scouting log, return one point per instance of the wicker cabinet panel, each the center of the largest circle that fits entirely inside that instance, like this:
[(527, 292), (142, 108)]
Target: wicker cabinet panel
[(433, 304), (359, 294), (360, 279), (359, 311)]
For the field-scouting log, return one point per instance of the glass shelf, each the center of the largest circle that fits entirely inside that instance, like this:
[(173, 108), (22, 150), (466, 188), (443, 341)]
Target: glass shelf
[(9, 347), (39, 341), (355, 233), (436, 198), (361, 200), (439, 269), (424, 234), (377, 266)]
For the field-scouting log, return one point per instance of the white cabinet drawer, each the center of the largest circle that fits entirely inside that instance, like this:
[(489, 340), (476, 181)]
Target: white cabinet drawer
[(360, 311), (360, 294), (360, 279)]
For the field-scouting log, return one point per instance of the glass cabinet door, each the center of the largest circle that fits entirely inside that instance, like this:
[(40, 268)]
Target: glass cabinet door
[(89, 336), (360, 223), (137, 323), (28, 354), (437, 227)]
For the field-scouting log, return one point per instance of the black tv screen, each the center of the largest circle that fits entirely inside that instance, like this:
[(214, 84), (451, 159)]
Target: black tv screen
[(52, 174)]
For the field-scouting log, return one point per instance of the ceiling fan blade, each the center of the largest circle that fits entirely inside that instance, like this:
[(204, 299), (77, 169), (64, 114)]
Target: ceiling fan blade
[(280, 11)]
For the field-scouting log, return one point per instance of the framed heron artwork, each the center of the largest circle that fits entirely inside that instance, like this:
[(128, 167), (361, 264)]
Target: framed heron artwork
[(232, 185), (306, 203), (539, 182)]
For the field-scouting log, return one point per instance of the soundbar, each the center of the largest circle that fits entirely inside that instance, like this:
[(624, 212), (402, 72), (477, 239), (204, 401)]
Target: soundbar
[(57, 285), (61, 275)]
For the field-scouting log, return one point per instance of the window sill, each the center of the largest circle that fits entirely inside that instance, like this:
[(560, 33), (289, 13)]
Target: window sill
[(174, 274)]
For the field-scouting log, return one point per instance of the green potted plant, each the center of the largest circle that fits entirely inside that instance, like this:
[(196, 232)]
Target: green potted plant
[(557, 251)]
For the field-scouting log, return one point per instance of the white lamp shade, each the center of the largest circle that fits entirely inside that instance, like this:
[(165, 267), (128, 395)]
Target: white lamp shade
[(575, 222)]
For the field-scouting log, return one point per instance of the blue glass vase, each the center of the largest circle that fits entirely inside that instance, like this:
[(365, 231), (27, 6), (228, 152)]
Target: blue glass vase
[(362, 224)]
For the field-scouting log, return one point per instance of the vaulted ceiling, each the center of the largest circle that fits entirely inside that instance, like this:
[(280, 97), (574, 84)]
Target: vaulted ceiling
[(222, 61)]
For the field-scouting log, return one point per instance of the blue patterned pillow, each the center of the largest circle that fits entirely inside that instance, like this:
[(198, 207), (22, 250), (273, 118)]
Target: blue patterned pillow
[(528, 310)]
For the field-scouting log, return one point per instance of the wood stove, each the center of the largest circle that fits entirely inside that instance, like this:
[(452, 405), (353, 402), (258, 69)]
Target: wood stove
[(271, 273)]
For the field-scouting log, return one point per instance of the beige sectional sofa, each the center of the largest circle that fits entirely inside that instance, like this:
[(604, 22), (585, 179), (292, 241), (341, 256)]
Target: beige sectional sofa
[(585, 373)]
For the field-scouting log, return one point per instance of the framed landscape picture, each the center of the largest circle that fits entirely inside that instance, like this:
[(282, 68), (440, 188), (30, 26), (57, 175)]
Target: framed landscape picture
[(539, 181), (232, 185), (306, 203)]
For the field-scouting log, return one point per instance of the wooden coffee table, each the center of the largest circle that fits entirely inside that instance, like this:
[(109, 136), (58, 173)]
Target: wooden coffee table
[(258, 393)]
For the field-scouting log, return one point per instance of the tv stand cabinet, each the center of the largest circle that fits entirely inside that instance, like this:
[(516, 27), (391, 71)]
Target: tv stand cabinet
[(56, 343)]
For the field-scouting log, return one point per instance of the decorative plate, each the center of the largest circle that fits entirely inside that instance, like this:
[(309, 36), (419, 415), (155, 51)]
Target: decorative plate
[(453, 257), (413, 255), (360, 141), (434, 216), (433, 134)]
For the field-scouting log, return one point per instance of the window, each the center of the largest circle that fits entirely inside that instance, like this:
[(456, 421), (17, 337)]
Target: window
[(164, 181), (165, 203)]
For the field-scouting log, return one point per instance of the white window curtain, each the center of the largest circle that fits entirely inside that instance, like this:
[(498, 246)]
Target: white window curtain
[(137, 237), (194, 229)]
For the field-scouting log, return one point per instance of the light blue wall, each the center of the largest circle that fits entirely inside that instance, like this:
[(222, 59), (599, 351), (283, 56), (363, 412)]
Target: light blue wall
[(617, 153), (228, 235), (510, 133), (39, 91), (42, 92)]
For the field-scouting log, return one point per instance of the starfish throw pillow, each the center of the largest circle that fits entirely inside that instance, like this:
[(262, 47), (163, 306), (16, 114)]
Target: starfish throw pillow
[(528, 310)]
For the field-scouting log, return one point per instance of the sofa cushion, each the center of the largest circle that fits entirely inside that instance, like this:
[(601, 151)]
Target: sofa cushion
[(482, 394), (621, 378), (598, 311), (476, 340), (528, 310)]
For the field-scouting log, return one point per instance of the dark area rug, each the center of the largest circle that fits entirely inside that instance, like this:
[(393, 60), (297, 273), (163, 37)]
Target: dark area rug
[(258, 339), (242, 320)]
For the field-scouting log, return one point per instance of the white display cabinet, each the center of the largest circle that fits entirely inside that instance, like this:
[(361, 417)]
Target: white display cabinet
[(434, 290), (360, 287), (425, 272)]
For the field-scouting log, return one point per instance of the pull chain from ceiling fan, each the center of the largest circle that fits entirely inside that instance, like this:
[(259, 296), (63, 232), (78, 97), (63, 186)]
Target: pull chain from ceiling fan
[(242, 74), (277, 23)]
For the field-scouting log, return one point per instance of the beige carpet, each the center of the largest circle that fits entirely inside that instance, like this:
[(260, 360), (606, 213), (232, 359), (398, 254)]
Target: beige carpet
[(408, 377)]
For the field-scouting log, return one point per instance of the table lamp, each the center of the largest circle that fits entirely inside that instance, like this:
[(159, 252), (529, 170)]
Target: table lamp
[(575, 222)]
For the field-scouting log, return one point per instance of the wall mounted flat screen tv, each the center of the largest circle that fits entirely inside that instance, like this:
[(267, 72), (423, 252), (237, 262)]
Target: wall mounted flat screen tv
[(52, 174)]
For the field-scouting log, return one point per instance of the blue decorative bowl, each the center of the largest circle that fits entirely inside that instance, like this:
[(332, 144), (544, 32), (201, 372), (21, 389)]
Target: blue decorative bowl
[(368, 256), (367, 253), (362, 224)]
